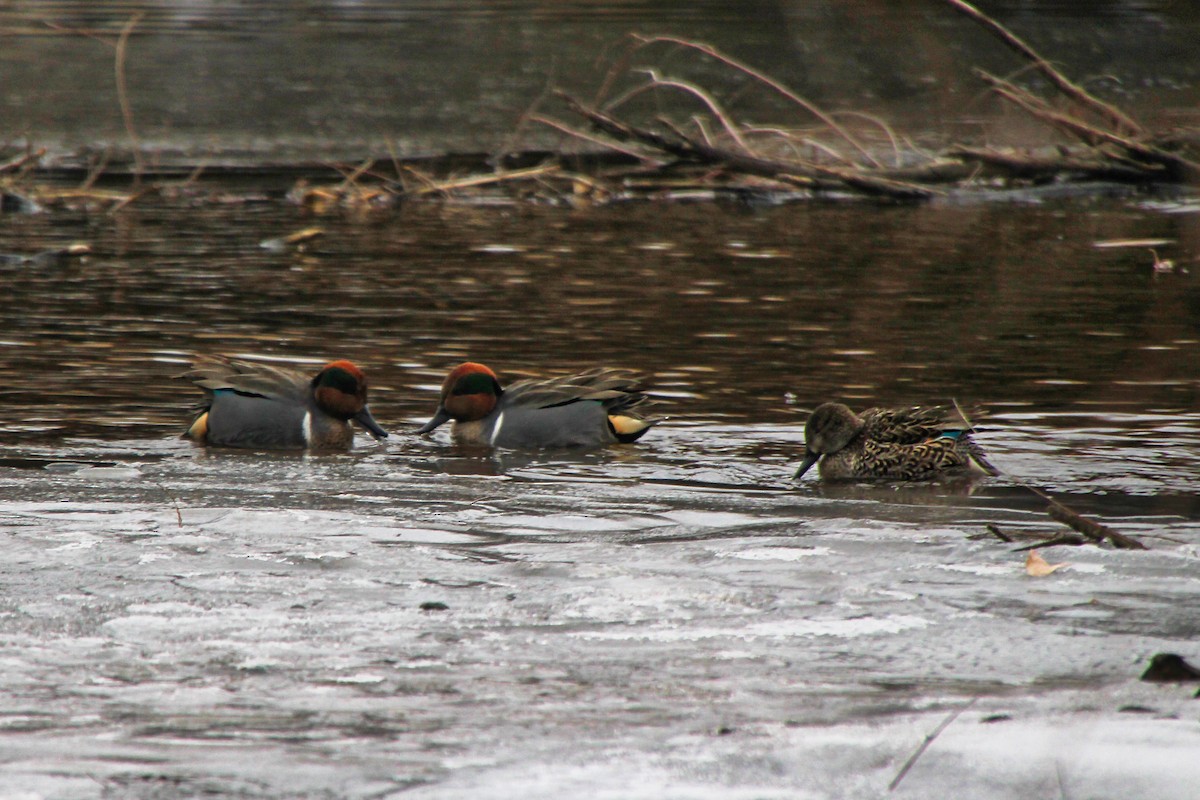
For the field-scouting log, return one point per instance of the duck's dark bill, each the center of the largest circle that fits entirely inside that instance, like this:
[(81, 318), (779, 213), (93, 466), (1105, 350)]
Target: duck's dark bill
[(365, 419), (438, 419), (810, 458)]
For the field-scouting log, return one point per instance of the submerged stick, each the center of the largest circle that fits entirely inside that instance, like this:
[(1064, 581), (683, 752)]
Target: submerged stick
[(1092, 529), (1073, 539)]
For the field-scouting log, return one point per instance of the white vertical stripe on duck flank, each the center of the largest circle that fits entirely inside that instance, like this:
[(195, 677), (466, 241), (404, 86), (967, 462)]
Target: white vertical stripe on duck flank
[(496, 429)]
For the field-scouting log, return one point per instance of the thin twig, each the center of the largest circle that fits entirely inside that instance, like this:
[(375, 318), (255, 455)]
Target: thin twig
[(936, 732), (618, 68), (1073, 539), (1090, 528), (879, 123), (391, 148), (174, 502), (789, 138), (1077, 93), (607, 143), (423, 178), (712, 52), (195, 174), (131, 198), (702, 127), (962, 413), (123, 94), (350, 179), (54, 26), (511, 142), (657, 82), (1060, 512), (21, 160), (486, 180), (683, 137), (95, 171)]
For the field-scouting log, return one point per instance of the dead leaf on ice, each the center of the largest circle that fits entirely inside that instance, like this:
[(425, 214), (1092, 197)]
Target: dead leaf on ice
[(1037, 566)]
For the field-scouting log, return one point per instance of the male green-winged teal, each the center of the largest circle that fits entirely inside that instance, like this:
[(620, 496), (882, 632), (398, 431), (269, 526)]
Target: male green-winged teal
[(901, 444), (271, 408), (591, 409)]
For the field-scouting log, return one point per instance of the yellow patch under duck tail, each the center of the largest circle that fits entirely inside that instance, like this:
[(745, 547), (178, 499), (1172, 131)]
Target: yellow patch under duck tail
[(627, 429), (199, 429)]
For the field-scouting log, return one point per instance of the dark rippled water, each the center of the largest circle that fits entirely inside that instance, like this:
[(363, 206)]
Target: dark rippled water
[(674, 618), (741, 315)]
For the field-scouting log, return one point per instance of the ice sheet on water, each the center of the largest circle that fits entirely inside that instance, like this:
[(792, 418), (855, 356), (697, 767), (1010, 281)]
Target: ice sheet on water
[(349, 626)]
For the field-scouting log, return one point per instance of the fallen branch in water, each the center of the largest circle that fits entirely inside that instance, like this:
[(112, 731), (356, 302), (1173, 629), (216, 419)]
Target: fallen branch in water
[(766, 80), (1113, 146), (1072, 539), (800, 174), (1092, 529), (1088, 531), (1035, 539), (629, 146), (1147, 161), (1045, 167), (1073, 91)]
